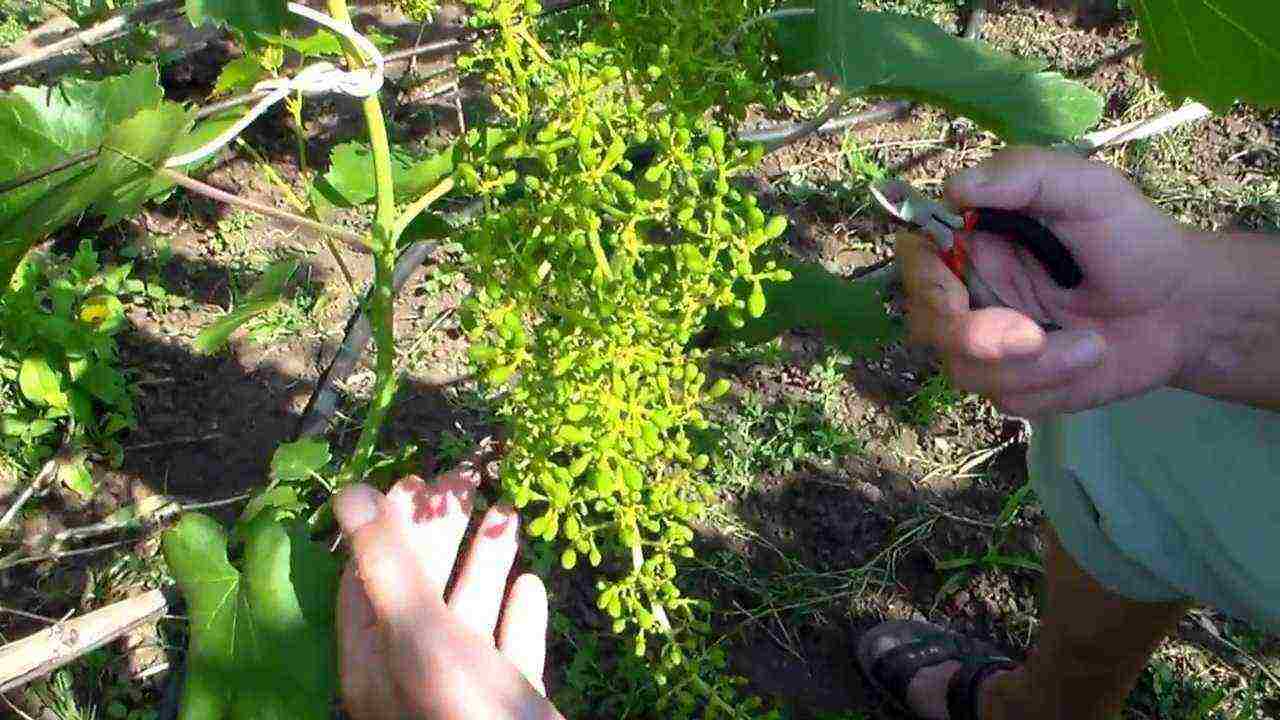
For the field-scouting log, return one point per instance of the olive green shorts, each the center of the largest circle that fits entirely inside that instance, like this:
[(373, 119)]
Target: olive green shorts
[(1169, 496)]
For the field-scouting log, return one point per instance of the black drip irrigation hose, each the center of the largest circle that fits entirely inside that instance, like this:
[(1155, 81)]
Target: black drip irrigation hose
[(324, 401)]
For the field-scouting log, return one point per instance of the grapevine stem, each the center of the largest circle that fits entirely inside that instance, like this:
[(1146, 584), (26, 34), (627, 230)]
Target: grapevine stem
[(355, 241), (381, 298), (418, 206)]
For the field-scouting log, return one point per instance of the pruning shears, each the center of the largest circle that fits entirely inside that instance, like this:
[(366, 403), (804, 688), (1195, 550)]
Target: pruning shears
[(950, 232)]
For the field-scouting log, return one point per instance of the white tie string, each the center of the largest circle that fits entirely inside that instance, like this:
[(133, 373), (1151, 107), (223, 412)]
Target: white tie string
[(315, 79)]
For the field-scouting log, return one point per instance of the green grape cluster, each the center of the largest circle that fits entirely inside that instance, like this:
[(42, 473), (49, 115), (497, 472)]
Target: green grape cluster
[(678, 53), (610, 232)]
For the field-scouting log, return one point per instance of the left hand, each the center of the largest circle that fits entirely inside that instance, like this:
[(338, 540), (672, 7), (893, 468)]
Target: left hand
[(407, 652)]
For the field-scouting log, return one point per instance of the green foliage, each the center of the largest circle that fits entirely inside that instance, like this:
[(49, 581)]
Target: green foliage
[(418, 10), (16, 16), (300, 460), (1215, 51), (351, 180), (671, 54), (261, 642), (59, 364), (883, 54), (850, 315), (771, 439), (124, 115), (996, 557), (239, 75), (934, 397), (264, 296), (247, 16)]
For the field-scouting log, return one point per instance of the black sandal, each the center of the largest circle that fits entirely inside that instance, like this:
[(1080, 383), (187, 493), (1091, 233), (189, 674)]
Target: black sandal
[(891, 654)]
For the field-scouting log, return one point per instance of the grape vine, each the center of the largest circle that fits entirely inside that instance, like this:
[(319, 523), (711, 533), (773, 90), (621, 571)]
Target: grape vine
[(610, 232)]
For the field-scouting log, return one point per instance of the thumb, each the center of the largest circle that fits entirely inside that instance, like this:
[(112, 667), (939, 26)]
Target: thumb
[(1048, 184)]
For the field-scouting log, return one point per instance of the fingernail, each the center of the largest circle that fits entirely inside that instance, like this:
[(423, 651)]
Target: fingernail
[(1087, 351), (972, 178), (1022, 339), (356, 507)]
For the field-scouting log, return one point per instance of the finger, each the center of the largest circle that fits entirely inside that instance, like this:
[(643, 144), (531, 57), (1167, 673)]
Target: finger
[(477, 596), (992, 335), (926, 278), (522, 638), (1043, 182), (435, 517), (399, 598), (1066, 355), (367, 691)]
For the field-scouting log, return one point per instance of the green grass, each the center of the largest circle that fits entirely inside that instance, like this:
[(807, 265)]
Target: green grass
[(775, 438), (935, 397)]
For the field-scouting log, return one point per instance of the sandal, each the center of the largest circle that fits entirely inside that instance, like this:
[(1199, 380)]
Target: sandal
[(891, 654)]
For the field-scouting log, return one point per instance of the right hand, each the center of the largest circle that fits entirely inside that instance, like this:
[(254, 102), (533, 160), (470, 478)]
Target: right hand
[(1125, 329)]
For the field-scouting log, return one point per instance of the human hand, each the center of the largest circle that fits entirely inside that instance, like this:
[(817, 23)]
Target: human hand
[(406, 652), (1124, 328)]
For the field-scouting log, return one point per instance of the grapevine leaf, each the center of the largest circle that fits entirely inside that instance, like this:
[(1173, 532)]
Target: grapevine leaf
[(323, 43), (298, 460), (351, 173), (247, 16), (264, 295), (850, 315), (282, 500), (131, 153), (261, 642), (40, 127), (117, 185), (890, 55), (1215, 51), (239, 75)]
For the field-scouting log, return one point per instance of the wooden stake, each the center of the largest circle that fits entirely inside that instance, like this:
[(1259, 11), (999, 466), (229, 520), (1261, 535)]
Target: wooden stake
[(38, 655)]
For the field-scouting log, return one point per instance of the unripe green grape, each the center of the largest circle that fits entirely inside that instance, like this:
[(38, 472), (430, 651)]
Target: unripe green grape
[(755, 304), (777, 225), (568, 559)]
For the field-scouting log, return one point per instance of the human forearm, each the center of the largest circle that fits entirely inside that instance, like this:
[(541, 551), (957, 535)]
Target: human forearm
[(1233, 312)]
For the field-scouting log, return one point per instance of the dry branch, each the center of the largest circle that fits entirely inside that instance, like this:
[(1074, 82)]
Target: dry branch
[(37, 655), (111, 28)]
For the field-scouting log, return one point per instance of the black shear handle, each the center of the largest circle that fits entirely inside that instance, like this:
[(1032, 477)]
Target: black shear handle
[(1034, 236)]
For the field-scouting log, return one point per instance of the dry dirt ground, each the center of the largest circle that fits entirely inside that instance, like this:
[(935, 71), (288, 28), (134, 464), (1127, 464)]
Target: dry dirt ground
[(815, 540)]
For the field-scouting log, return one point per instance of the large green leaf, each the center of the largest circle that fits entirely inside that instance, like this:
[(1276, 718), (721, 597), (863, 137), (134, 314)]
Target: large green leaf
[(117, 185), (850, 315), (41, 126), (248, 16), (351, 173), (261, 641), (1215, 51), (890, 55)]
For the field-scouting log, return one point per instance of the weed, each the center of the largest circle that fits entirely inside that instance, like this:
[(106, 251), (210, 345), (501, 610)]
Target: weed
[(453, 447), (297, 314), (1163, 692), (58, 363), (995, 557), (934, 397), (775, 439)]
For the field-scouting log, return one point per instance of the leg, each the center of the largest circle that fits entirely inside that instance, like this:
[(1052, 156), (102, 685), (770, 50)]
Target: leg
[(1093, 644)]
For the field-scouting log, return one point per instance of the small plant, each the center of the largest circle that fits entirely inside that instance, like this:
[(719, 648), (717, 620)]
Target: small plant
[(935, 397), (962, 568), (59, 363)]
